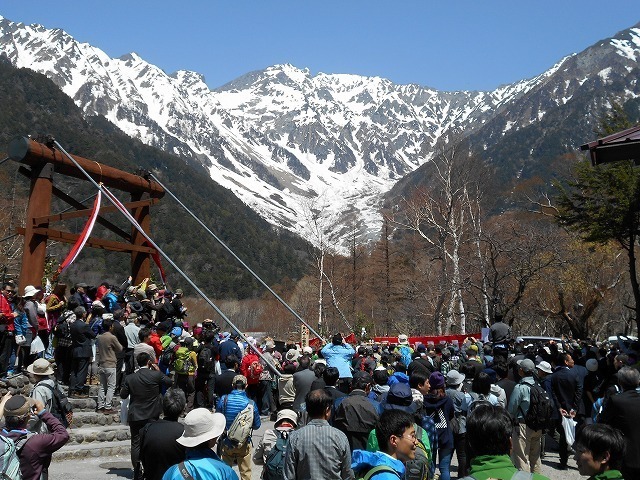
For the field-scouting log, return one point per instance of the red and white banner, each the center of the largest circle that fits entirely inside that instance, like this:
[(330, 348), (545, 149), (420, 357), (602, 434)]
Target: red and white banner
[(82, 239)]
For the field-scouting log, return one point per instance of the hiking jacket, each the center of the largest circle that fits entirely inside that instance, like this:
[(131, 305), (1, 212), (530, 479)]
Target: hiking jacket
[(520, 399), (202, 463), (339, 356), (484, 467), (362, 461), (236, 401), (36, 453)]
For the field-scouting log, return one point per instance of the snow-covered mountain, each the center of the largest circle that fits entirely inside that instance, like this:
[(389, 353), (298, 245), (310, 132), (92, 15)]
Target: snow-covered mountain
[(314, 154)]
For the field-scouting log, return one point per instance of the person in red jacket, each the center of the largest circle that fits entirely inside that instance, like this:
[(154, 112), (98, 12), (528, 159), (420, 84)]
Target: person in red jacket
[(251, 367), (7, 315)]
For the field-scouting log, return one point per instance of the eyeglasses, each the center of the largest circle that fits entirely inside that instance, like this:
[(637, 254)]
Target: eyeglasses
[(9, 291), (411, 437)]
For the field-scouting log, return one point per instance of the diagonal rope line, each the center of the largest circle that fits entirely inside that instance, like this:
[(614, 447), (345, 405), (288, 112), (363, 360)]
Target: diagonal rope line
[(133, 221), (255, 275)]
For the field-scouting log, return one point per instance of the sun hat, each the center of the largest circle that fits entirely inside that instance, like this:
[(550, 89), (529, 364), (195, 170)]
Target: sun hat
[(269, 345), (201, 425), (178, 291), (403, 339), (40, 367), (18, 406), (292, 355), (287, 414), (592, 365), (545, 367), (152, 287), (454, 377), (527, 365), (30, 291), (307, 350)]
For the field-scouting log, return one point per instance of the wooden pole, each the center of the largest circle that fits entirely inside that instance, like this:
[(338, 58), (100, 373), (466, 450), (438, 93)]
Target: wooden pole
[(140, 262), (35, 245)]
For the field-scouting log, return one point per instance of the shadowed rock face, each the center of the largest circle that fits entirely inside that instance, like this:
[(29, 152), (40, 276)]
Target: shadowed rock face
[(284, 133)]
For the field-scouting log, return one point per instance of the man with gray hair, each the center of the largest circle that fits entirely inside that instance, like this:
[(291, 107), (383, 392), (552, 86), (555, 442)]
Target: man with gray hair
[(622, 411)]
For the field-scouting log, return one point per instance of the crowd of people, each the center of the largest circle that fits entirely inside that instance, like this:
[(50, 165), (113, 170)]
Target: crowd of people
[(194, 394)]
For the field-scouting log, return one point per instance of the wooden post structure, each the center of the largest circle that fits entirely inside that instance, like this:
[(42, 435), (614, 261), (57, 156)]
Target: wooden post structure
[(35, 245), (45, 160), (140, 262)]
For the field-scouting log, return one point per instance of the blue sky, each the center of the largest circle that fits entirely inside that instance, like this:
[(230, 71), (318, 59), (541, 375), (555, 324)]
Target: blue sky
[(451, 45)]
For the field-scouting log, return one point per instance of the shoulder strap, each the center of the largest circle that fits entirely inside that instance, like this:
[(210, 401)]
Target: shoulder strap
[(380, 469), (184, 472)]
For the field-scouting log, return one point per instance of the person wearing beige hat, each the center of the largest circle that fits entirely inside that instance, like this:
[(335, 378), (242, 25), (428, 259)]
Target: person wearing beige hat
[(201, 432), (40, 373), (286, 422)]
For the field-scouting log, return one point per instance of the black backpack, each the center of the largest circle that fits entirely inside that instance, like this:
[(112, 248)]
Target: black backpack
[(205, 359), (540, 413), (60, 405)]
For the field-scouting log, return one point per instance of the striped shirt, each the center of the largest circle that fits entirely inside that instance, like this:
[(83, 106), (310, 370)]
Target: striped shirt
[(318, 451)]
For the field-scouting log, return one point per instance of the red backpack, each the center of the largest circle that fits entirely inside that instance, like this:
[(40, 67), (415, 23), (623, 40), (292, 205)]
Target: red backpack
[(254, 371)]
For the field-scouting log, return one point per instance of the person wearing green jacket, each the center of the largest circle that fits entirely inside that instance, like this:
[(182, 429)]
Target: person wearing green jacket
[(599, 452), (489, 429)]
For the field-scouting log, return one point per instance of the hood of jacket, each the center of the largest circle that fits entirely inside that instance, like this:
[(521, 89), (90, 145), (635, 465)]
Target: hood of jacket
[(362, 460)]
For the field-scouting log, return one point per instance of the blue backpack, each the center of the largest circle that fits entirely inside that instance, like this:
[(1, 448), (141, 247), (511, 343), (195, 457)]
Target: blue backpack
[(9, 462), (274, 463), (405, 354)]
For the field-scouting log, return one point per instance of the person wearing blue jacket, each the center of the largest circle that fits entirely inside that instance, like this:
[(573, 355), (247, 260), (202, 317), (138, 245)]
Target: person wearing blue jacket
[(230, 406), (397, 441), (339, 354)]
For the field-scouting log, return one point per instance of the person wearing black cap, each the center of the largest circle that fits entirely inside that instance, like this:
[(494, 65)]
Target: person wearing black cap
[(34, 450)]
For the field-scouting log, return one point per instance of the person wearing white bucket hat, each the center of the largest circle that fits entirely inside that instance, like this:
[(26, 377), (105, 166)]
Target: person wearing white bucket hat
[(201, 432)]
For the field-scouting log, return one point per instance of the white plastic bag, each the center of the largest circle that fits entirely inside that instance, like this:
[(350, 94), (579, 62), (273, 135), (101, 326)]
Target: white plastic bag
[(124, 411), (37, 346), (569, 427)]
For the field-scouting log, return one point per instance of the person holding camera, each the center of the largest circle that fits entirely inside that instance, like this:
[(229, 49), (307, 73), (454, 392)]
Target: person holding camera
[(34, 450)]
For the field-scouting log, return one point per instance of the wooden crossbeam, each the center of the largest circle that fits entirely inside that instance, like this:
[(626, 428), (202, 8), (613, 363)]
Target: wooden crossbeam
[(69, 200), (66, 237), (86, 212)]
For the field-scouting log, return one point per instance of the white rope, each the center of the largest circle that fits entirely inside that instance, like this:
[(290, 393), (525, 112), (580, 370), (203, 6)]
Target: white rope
[(133, 221)]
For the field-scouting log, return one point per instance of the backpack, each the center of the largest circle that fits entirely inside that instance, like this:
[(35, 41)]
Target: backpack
[(254, 371), (540, 413), (9, 461), (419, 467), (168, 354), (242, 426), (476, 402), (274, 463), (182, 362), (61, 408), (375, 470), (205, 359), (405, 354)]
